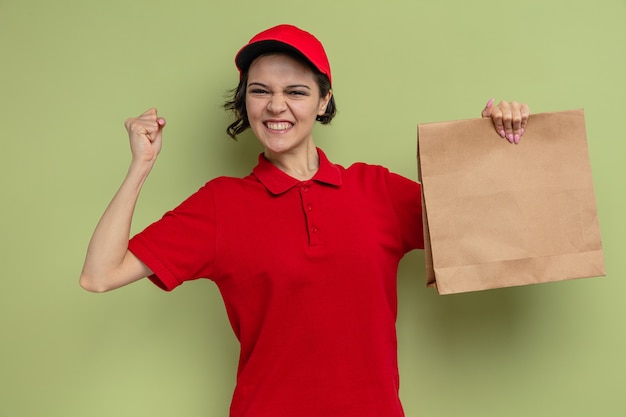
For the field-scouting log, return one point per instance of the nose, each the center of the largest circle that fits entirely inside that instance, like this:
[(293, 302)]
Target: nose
[(276, 104)]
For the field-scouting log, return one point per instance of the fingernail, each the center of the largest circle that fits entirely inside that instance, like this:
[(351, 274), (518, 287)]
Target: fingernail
[(490, 102), (516, 139), (510, 137), (502, 133), (522, 131)]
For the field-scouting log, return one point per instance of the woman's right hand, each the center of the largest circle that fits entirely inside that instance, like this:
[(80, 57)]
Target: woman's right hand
[(145, 135), (109, 264)]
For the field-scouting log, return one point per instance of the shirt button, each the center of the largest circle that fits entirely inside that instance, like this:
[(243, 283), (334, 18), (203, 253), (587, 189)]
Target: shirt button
[(314, 229), (309, 207)]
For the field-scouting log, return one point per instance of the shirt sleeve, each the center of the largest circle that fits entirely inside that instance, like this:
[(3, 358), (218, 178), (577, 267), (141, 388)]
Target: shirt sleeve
[(406, 199), (181, 245)]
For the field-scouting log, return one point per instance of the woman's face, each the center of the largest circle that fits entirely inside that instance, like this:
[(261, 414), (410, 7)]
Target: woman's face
[(282, 103)]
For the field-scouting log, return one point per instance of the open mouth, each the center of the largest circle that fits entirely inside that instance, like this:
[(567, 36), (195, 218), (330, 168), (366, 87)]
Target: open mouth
[(278, 126)]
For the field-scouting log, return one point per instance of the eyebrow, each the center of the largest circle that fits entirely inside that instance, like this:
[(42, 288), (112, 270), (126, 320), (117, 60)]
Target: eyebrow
[(289, 86)]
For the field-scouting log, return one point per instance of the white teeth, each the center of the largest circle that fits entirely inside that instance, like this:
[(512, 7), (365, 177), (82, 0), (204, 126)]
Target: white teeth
[(279, 126)]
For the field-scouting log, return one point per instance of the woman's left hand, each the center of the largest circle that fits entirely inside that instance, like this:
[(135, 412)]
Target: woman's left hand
[(509, 119)]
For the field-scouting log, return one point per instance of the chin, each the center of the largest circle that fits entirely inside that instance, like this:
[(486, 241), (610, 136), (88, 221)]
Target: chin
[(277, 144), (277, 147)]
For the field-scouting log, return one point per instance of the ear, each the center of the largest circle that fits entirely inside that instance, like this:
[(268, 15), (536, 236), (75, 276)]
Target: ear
[(323, 103)]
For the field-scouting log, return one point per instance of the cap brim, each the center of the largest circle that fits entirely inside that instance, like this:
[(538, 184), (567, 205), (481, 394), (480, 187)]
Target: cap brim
[(250, 52)]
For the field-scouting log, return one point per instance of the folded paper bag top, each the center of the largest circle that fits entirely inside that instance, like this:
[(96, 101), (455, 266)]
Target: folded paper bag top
[(500, 215)]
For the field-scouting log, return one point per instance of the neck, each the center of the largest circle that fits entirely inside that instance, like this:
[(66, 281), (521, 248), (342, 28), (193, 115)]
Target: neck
[(301, 165)]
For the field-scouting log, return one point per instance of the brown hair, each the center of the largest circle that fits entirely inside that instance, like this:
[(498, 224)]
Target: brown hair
[(237, 102)]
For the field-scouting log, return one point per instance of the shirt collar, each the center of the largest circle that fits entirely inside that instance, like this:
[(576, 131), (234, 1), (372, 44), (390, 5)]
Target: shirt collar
[(278, 182)]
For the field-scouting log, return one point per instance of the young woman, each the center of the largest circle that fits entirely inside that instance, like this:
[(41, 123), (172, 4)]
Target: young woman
[(305, 252)]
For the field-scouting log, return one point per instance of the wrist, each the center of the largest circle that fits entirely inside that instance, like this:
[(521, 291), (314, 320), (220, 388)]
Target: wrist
[(139, 170)]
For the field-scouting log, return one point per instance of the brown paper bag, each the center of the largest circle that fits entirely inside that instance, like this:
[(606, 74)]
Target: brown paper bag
[(500, 215)]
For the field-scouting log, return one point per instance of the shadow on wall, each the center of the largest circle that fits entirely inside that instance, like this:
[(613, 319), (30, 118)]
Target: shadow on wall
[(481, 321)]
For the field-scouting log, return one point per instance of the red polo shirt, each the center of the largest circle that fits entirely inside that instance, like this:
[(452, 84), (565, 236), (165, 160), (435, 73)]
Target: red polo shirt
[(307, 271)]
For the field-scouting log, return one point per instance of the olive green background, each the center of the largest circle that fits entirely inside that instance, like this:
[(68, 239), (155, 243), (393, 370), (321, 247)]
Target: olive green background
[(72, 71)]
